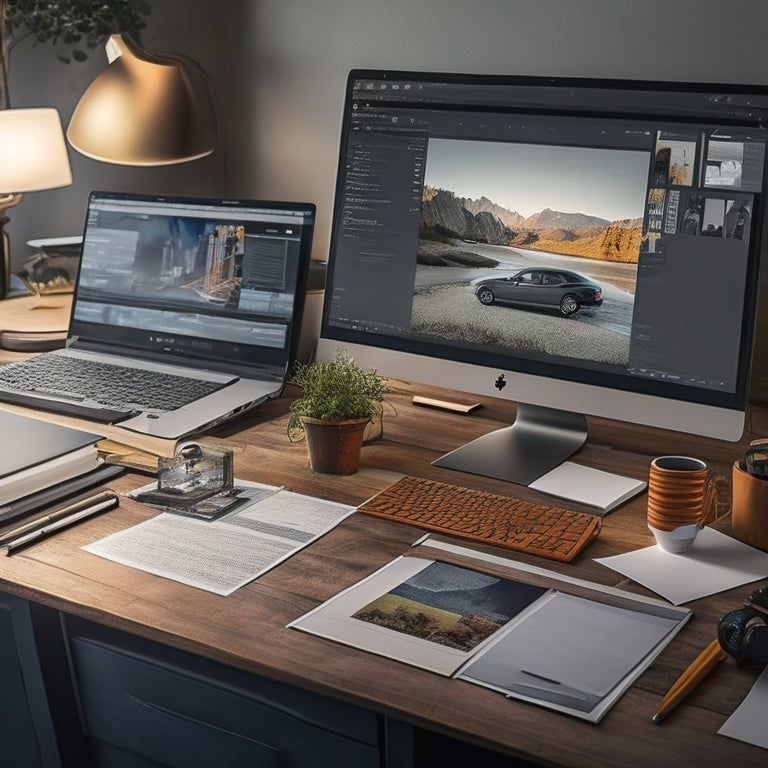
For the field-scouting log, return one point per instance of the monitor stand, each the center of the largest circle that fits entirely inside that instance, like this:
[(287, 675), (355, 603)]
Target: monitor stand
[(539, 440)]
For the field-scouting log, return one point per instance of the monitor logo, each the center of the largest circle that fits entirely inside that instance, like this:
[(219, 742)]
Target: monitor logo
[(500, 382)]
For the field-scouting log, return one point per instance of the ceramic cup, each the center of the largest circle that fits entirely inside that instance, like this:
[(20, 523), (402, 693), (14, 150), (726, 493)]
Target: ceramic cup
[(750, 508), (684, 495)]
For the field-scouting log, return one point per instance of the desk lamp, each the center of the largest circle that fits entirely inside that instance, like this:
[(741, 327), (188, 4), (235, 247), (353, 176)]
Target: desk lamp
[(33, 156), (145, 109)]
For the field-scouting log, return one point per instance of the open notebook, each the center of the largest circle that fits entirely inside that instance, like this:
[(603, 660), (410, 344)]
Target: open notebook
[(206, 294)]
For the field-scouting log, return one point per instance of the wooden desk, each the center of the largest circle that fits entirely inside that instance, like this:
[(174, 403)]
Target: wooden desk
[(246, 632)]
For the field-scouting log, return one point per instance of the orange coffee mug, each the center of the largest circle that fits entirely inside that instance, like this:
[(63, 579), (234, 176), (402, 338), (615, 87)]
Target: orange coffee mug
[(684, 495), (749, 516)]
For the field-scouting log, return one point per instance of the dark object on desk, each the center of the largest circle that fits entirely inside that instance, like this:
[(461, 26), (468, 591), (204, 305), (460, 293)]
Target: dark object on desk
[(704, 663), (758, 600), (207, 507), (743, 633), (58, 493), (755, 460), (558, 534), (52, 268), (32, 341)]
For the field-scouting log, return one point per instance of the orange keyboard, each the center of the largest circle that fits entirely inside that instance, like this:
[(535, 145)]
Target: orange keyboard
[(538, 529)]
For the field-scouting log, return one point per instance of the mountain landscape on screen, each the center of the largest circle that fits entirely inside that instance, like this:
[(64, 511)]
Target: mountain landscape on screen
[(445, 217)]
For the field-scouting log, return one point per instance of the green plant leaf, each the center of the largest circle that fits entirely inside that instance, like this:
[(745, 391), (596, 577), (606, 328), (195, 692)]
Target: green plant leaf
[(335, 390)]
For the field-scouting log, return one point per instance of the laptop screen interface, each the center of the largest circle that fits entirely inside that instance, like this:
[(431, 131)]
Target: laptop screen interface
[(197, 278)]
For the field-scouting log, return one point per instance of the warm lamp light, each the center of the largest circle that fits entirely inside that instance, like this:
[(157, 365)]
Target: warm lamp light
[(33, 156), (144, 109)]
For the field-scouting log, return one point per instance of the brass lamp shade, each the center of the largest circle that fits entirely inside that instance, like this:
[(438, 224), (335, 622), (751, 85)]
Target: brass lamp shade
[(144, 109)]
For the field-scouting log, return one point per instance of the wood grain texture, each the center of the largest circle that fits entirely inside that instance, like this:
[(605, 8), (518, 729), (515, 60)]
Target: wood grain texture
[(247, 629)]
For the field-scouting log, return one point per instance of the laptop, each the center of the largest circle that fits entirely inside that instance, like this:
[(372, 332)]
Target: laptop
[(201, 294)]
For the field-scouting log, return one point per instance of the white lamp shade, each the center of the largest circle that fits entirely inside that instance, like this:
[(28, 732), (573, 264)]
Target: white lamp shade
[(33, 153), (144, 109)]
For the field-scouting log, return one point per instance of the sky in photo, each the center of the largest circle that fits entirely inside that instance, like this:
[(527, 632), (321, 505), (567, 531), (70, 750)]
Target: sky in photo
[(527, 178)]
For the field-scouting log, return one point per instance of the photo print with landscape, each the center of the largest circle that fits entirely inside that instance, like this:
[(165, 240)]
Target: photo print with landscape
[(455, 607)]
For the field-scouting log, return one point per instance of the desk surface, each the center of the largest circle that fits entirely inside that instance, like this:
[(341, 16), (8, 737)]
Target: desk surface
[(247, 629)]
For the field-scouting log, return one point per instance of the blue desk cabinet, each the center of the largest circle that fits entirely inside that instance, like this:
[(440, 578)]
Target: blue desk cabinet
[(80, 695), (35, 679), (147, 705), (17, 731), (76, 694)]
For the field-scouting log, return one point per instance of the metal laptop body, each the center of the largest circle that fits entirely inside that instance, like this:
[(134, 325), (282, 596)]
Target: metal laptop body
[(209, 289)]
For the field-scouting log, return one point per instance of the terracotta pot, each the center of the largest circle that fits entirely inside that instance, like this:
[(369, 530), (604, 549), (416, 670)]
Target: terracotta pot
[(334, 446)]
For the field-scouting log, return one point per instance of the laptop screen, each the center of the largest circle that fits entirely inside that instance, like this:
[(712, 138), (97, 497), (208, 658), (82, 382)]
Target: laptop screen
[(214, 280)]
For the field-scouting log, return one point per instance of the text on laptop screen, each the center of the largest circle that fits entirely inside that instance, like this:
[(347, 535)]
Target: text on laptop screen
[(195, 277)]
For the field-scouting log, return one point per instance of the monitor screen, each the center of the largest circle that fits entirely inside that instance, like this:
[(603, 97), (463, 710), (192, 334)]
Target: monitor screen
[(582, 247)]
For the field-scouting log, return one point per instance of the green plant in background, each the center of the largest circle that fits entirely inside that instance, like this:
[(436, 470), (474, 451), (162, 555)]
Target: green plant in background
[(72, 27), (335, 390)]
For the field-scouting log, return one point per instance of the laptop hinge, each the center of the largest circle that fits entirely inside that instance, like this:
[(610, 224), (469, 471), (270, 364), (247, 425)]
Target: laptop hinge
[(259, 371)]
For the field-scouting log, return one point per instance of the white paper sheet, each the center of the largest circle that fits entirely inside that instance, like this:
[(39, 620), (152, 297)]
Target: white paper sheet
[(223, 555), (573, 653), (713, 564), (747, 723)]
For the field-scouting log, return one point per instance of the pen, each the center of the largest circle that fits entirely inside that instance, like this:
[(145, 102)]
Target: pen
[(55, 515), (61, 521), (704, 663)]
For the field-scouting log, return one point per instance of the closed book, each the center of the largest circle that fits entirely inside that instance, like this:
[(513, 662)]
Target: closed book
[(37, 454), (59, 493)]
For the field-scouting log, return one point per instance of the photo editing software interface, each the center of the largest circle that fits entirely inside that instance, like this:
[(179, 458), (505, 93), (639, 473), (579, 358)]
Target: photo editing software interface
[(219, 279), (604, 233)]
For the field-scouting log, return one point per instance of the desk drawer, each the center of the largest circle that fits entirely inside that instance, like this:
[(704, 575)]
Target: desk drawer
[(179, 717)]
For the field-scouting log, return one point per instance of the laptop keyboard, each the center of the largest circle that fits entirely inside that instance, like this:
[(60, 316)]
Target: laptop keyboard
[(113, 386)]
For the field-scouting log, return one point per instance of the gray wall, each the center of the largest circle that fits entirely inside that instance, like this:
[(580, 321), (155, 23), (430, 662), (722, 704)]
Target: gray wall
[(37, 78), (301, 51), (279, 67)]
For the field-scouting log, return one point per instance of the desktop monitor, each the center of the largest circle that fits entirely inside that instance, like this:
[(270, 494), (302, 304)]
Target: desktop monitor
[(580, 246)]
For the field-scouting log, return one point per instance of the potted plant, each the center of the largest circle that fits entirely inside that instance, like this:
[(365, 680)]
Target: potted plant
[(338, 400)]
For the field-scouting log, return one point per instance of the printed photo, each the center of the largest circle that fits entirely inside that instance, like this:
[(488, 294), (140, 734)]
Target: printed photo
[(451, 606)]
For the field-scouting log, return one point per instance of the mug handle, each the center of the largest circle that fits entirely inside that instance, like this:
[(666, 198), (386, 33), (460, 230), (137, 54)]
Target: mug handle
[(717, 499)]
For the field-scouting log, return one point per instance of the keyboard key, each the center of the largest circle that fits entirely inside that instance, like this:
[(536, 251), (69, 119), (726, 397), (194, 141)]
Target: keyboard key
[(113, 386)]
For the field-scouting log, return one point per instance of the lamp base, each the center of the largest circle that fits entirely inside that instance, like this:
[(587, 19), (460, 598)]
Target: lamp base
[(7, 201)]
